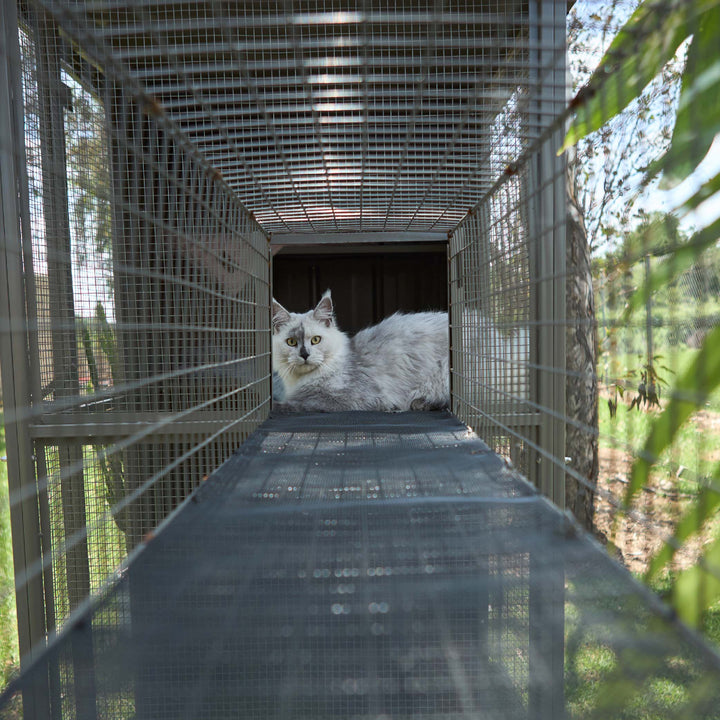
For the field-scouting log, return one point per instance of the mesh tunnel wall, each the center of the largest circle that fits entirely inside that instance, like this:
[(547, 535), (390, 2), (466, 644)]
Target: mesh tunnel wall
[(163, 142), (328, 117), (508, 273), (159, 147), (142, 321)]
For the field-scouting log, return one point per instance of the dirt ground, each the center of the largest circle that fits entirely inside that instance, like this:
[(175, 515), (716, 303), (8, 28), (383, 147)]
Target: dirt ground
[(656, 509)]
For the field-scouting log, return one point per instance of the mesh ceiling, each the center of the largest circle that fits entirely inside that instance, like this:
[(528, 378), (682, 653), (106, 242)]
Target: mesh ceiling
[(389, 117)]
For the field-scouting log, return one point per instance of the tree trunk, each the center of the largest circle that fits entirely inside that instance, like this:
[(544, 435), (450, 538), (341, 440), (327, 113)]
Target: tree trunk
[(582, 388)]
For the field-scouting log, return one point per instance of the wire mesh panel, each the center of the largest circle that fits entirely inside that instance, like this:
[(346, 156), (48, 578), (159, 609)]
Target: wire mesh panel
[(156, 147), (590, 363), (138, 291), (149, 128), (328, 116), (507, 277), (323, 572)]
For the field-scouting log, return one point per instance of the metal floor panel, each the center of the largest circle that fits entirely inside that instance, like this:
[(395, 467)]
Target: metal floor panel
[(366, 565)]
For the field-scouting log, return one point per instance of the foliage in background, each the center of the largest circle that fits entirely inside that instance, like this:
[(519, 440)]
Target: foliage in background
[(9, 652), (641, 50), (609, 183), (100, 333), (88, 178), (676, 314)]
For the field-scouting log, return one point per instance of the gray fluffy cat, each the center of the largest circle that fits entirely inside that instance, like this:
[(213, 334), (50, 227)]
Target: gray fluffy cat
[(399, 364)]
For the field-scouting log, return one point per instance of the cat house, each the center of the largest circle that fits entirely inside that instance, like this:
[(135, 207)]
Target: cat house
[(167, 167)]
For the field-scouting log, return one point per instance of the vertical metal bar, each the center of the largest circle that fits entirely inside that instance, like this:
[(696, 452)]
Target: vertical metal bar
[(33, 358), (123, 189), (536, 331), (263, 304), (648, 323), (155, 347), (538, 219), (53, 98), (547, 213), (451, 321), (603, 302), (548, 188), (52, 101), (452, 311), (122, 134), (555, 14), (483, 300), (25, 520), (458, 350)]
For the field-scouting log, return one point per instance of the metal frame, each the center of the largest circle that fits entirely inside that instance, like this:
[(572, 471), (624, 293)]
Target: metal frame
[(538, 177), (547, 178), (232, 123), (314, 148), (357, 237), (391, 145), (75, 423), (25, 514)]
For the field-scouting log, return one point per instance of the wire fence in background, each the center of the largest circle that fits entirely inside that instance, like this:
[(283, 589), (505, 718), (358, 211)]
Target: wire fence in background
[(508, 277), (640, 360)]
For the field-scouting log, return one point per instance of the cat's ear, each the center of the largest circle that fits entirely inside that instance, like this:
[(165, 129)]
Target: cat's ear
[(280, 315), (323, 312)]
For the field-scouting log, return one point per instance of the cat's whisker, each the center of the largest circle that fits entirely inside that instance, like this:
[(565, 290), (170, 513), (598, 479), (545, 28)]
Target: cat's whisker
[(284, 371)]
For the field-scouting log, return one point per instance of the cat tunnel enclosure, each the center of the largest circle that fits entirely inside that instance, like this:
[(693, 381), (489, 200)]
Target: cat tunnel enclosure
[(159, 159)]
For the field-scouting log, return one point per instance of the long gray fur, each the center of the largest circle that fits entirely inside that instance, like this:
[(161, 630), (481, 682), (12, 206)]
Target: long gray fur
[(399, 364)]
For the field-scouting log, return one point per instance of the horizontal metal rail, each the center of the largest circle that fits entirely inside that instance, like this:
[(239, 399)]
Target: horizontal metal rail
[(98, 427)]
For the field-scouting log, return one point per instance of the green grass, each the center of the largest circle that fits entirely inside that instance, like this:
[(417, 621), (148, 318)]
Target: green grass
[(605, 677), (711, 625), (696, 447), (9, 653), (592, 667)]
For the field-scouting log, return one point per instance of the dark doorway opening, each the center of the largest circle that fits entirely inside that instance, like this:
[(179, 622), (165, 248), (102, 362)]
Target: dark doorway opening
[(368, 282)]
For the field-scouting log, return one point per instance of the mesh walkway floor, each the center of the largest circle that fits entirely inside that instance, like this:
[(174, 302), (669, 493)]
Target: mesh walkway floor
[(367, 565)]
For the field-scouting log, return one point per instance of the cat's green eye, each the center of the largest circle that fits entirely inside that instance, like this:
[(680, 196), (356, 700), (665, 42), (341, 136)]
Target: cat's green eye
[(315, 339), (292, 342)]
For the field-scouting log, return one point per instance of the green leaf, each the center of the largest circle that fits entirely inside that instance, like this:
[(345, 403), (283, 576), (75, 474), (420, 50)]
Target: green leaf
[(698, 587), (698, 115), (683, 257), (688, 395), (648, 40), (702, 508), (658, 235), (89, 354), (106, 338)]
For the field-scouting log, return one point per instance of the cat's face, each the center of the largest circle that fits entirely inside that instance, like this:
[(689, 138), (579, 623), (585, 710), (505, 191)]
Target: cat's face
[(303, 342)]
